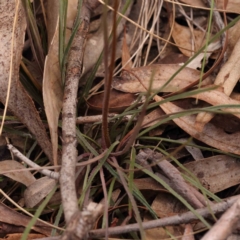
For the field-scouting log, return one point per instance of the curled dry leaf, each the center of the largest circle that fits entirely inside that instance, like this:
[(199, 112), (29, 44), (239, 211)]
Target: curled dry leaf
[(27, 178), (216, 179), (210, 135), (20, 104), (38, 190), (52, 92), (52, 87), (159, 74)]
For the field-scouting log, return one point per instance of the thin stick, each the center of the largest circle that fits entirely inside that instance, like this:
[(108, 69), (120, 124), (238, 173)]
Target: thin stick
[(51, 174), (226, 224), (73, 74), (38, 168), (167, 221)]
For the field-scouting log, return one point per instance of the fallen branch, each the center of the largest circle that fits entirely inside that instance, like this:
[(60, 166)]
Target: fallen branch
[(73, 74)]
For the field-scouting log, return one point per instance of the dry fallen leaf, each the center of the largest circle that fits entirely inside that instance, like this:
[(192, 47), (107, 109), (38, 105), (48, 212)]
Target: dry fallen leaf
[(38, 190), (118, 101), (215, 97), (53, 92), (216, 179), (96, 42), (125, 54), (159, 74), (195, 3), (148, 183), (20, 104), (232, 5), (52, 86), (233, 36), (17, 236), (13, 217), (227, 78), (27, 178), (210, 135), (165, 205)]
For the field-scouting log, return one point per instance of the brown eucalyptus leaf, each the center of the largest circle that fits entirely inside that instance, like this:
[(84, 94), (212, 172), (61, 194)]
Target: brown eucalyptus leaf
[(31, 236), (215, 97), (25, 178), (232, 5), (126, 54), (148, 183), (52, 14), (210, 135), (53, 92), (233, 36), (195, 3), (165, 205), (13, 217), (52, 86), (117, 103), (38, 190), (195, 152), (159, 74), (216, 173), (153, 117), (20, 104), (184, 37)]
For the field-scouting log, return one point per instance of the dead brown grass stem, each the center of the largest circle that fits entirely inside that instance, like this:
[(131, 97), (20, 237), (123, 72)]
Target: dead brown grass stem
[(108, 72)]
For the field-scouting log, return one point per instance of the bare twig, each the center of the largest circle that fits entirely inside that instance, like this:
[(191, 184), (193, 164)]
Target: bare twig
[(51, 174), (73, 74), (226, 224), (177, 181), (98, 118), (38, 168), (167, 221)]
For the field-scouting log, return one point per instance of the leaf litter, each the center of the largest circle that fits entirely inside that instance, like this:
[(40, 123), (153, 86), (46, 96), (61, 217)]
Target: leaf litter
[(207, 172)]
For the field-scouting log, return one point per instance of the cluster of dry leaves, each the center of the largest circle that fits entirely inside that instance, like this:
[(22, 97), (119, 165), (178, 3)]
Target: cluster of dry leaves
[(180, 53)]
